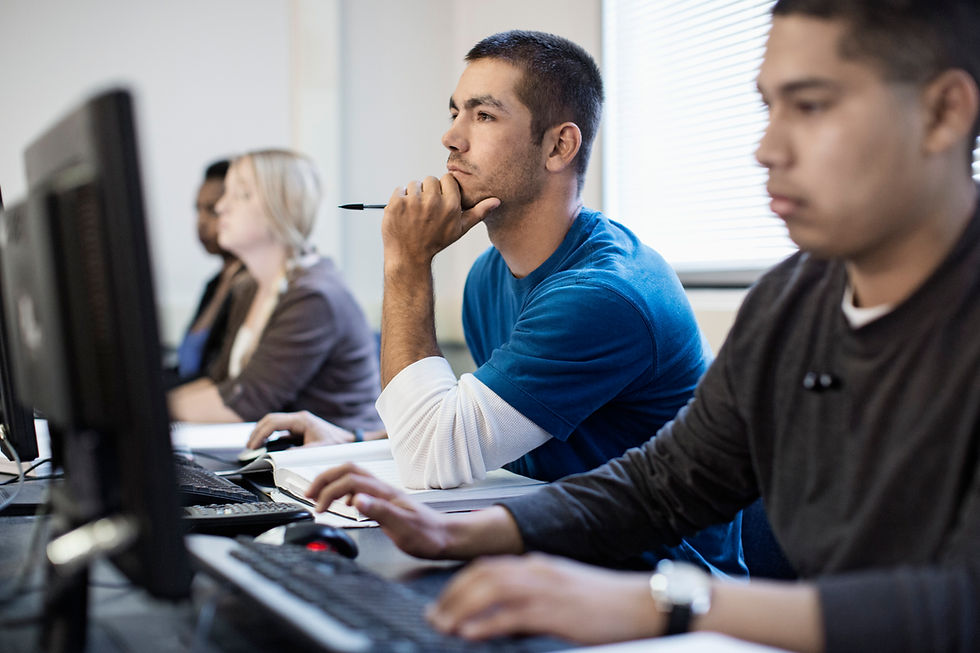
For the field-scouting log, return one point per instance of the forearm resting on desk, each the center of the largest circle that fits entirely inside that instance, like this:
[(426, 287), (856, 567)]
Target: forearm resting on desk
[(492, 531), (446, 432), (199, 401), (781, 614), (542, 594)]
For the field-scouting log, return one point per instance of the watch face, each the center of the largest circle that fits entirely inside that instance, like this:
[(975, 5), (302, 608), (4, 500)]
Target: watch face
[(678, 583), (687, 584)]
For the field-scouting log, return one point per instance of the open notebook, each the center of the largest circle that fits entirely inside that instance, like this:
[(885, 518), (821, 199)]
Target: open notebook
[(294, 469)]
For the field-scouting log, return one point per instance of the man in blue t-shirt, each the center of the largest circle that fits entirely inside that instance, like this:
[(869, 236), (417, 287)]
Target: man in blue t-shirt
[(597, 346), (585, 341)]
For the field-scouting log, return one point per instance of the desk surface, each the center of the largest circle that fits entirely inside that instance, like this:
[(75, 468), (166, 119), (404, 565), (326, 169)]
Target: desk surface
[(125, 618)]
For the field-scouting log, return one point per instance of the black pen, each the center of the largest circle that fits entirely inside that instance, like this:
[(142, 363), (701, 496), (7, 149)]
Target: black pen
[(361, 207)]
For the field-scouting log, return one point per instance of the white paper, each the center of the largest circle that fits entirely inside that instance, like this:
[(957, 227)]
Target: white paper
[(688, 643), (214, 438)]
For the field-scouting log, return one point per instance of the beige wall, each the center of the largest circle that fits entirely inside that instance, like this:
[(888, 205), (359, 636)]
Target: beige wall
[(715, 311)]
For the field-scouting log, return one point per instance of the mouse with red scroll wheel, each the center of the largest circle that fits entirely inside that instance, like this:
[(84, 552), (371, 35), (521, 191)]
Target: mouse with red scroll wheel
[(320, 537)]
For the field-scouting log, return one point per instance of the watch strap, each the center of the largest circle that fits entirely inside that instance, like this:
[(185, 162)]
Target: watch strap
[(678, 619)]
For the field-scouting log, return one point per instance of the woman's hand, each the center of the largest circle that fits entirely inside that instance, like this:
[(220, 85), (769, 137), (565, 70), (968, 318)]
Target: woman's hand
[(303, 424)]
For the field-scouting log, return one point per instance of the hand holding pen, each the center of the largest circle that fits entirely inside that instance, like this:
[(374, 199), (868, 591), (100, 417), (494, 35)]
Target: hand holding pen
[(423, 218)]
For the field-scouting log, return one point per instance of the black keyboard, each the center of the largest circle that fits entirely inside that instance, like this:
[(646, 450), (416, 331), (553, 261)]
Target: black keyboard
[(241, 518), (334, 601), (198, 485)]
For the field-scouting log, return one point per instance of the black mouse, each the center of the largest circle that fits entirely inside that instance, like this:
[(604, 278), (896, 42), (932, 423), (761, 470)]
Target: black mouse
[(320, 537), (281, 443)]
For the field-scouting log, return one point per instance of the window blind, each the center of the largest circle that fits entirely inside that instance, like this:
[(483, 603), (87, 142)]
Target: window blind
[(682, 123)]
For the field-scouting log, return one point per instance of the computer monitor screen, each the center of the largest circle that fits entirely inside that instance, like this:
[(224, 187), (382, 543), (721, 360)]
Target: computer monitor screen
[(80, 310), (16, 419)]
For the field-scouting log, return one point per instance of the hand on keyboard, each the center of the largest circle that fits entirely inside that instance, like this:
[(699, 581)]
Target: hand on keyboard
[(543, 594), (335, 602)]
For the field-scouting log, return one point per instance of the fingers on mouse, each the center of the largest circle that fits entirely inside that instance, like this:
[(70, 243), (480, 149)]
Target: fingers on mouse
[(320, 537)]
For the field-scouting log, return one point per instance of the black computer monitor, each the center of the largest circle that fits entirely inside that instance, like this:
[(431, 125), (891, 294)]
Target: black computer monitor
[(81, 313), (16, 420)]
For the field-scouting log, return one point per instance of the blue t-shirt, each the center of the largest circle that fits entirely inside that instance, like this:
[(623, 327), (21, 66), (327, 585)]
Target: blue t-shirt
[(190, 353), (598, 346)]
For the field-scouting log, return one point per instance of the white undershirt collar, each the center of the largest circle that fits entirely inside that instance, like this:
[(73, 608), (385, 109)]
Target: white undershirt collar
[(858, 316)]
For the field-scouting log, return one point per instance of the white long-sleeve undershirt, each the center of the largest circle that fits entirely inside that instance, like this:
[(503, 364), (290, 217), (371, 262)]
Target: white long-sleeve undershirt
[(445, 432)]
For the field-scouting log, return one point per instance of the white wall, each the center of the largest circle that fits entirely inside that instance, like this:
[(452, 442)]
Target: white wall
[(399, 63), (360, 85), (210, 78)]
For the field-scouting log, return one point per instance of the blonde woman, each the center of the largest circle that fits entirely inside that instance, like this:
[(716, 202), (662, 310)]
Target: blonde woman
[(297, 340)]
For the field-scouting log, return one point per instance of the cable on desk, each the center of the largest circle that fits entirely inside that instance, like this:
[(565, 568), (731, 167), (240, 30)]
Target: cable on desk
[(15, 589), (20, 469), (37, 463)]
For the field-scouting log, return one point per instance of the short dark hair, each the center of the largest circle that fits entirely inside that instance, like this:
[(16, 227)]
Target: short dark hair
[(910, 40), (217, 170), (560, 83)]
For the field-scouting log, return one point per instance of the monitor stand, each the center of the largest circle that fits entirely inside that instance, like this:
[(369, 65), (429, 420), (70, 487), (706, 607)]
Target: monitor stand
[(65, 622), (68, 557), (77, 536)]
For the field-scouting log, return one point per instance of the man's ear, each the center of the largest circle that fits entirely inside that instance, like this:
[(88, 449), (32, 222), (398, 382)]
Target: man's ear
[(952, 101), (562, 143)]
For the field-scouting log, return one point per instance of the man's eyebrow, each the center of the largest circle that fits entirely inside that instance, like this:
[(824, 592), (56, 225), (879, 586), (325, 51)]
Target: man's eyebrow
[(798, 85), (478, 101)]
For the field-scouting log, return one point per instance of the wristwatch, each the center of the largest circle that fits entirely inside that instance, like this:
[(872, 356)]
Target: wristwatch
[(680, 590)]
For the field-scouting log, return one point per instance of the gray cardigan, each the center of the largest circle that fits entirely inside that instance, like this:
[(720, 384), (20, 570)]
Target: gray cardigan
[(316, 353)]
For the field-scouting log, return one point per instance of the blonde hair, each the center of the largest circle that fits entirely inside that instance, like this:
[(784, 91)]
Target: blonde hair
[(289, 188)]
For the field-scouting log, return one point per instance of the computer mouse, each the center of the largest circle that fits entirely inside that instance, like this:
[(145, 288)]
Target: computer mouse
[(276, 443), (248, 455), (319, 537)]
